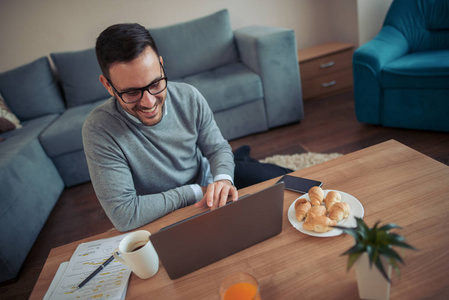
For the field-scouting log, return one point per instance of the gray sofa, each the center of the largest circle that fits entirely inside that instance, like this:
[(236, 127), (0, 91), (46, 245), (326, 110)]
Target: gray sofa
[(250, 78)]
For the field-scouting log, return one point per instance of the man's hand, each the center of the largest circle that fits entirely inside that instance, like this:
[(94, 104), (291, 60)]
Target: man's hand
[(217, 194)]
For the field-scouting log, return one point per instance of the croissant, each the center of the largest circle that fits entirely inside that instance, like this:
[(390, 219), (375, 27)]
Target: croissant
[(332, 197), (318, 211), (339, 211), (302, 206), (316, 195), (318, 223)]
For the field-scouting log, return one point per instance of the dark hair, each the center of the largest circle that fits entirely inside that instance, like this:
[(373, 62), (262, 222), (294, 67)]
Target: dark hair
[(122, 43)]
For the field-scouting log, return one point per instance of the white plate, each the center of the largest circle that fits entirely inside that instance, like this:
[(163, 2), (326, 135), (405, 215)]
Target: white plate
[(356, 211)]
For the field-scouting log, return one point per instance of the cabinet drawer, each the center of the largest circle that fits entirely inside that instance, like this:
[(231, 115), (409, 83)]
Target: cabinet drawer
[(327, 83), (326, 65)]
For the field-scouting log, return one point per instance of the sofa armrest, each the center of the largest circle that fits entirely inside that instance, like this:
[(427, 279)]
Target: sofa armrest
[(368, 61), (271, 53)]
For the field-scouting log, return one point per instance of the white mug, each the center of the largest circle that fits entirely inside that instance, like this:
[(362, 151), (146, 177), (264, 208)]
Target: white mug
[(137, 252)]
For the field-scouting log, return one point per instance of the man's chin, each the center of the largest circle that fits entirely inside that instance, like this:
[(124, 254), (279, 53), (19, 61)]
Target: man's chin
[(150, 121)]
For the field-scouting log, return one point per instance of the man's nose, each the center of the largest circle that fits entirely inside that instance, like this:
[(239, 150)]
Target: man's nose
[(148, 100)]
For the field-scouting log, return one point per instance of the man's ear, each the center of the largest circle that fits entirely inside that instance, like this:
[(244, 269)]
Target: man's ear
[(106, 84), (161, 60)]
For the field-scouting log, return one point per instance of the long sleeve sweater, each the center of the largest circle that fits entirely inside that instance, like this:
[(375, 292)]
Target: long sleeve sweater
[(140, 173)]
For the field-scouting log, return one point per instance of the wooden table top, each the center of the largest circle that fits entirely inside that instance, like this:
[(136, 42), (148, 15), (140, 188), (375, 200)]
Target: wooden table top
[(393, 182)]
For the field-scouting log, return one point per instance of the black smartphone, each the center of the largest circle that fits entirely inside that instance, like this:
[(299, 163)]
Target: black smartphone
[(299, 184)]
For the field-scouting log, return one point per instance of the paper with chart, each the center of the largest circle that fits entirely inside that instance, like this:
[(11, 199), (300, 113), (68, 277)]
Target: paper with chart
[(110, 283)]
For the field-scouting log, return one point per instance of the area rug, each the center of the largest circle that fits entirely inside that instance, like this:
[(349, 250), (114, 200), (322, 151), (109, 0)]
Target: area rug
[(300, 161)]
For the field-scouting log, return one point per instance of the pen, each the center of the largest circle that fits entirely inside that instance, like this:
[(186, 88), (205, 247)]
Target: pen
[(100, 268)]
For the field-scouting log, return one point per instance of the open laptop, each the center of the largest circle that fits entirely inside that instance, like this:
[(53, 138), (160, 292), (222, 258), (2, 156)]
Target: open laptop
[(205, 238)]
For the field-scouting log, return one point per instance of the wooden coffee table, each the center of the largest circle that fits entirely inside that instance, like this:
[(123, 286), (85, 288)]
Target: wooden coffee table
[(393, 182)]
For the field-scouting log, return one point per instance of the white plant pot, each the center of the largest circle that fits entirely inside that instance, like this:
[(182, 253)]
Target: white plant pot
[(371, 283)]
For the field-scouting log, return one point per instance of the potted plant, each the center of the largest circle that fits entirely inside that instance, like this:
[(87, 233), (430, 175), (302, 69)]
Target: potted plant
[(374, 246)]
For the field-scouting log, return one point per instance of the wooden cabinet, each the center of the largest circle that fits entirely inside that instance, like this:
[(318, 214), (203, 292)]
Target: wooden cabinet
[(325, 69)]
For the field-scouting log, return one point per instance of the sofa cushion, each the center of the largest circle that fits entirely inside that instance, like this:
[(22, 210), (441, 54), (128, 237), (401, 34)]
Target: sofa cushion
[(31, 90), (11, 152), (243, 120), (30, 186), (196, 46), (79, 72), (64, 135), (228, 87), (426, 70)]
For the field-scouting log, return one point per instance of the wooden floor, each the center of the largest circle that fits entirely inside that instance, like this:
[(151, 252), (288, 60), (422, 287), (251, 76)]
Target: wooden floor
[(329, 126)]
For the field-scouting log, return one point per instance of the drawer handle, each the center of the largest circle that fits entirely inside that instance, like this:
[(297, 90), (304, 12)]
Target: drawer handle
[(328, 84), (327, 65)]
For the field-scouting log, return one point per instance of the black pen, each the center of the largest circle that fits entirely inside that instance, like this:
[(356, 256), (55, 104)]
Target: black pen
[(100, 268)]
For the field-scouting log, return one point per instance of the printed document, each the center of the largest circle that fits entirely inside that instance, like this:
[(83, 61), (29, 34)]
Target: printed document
[(110, 283)]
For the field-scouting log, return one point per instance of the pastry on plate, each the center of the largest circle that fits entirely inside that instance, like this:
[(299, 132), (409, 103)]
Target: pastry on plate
[(318, 210), (316, 195), (339, 211), (332, 197), (318, 223), (302, 206)]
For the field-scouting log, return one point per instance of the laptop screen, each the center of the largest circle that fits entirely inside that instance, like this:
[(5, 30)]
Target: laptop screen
[(205, 238)]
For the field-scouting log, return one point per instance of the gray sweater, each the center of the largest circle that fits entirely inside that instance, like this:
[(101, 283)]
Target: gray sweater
[(140, 172)]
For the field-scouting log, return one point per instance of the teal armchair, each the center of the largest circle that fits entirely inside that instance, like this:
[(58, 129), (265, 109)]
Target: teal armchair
[(401, 77)]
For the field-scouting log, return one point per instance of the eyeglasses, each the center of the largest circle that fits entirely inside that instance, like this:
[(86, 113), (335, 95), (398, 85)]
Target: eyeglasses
[(135, 95)]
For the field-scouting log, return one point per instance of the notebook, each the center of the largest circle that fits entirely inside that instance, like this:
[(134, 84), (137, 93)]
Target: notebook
[(205, 238)]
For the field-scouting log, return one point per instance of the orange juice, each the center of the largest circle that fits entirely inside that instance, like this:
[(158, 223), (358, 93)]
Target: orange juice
[(242, 291)]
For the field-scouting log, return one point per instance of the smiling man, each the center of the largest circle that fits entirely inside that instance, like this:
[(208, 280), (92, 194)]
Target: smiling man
[(154, 146)]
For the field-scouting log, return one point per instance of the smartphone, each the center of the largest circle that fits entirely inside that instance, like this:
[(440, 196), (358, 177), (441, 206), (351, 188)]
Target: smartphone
[(299, 184)]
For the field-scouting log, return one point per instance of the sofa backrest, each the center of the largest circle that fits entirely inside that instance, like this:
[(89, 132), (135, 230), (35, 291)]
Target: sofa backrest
[(31, 90), (187, 48), (79, 73), (195, 46), (424, 23)]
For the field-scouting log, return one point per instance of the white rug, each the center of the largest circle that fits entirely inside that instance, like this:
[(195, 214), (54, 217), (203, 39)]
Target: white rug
[(300, 161)]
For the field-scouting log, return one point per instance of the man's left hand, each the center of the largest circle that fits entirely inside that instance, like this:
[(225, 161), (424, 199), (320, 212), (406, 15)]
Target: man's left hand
[(217, 194)]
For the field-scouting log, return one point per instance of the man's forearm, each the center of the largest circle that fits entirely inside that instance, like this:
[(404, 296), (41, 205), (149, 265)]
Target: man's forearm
[(130, 211)]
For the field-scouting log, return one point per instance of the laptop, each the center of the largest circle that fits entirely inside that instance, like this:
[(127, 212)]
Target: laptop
[(203, 239)]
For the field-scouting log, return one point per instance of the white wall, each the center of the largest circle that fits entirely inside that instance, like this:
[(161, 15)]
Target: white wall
[(371, 15), (30, 29), (344, 21)]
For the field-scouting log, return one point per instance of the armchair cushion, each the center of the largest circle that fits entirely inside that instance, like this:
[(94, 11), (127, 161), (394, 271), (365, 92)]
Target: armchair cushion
[(196, 46), (424, 23), (31, 91), (425, 69)]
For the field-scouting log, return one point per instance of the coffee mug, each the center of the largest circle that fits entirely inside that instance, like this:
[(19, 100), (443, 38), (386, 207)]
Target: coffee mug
[(137, 252)]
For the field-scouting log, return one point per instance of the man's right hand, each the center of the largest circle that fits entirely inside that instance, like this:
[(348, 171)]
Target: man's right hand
[(217, 194)]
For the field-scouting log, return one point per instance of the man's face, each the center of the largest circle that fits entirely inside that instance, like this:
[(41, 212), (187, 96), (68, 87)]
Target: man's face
[(138, 73)]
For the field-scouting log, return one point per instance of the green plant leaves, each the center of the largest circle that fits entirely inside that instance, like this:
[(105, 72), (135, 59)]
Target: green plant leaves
[(391, 255), (389, 226), (352, 259), (377, 242), (381, 268)]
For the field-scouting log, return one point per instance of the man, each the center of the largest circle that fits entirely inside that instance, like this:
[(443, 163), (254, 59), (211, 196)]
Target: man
[(154, 146)]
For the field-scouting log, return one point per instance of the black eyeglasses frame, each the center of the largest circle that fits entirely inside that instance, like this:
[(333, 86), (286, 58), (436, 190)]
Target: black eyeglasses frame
[(143, 89)]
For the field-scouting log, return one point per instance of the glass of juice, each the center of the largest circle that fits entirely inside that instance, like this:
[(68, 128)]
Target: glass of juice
[(239, 286)]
